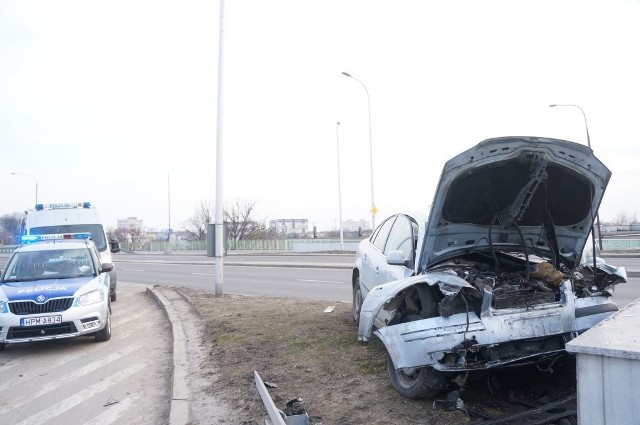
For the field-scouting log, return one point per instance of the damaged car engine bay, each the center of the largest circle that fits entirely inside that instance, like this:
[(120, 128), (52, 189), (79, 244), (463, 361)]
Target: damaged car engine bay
[(516, 285)]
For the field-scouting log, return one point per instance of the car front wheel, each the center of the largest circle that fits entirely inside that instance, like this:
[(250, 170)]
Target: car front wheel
[(356, 305), (105, 333), (417, 382)]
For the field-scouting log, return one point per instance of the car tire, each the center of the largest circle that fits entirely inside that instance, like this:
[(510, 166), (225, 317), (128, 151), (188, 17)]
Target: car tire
[(356, 304), (112, 296), (105, 333), (417, 383), (3, 346)]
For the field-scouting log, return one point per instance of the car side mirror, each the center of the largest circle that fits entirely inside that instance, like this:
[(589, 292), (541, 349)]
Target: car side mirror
[(114, 245), (396, 258), (106, 267)]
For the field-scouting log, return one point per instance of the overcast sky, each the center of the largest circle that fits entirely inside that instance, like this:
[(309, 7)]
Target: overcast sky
[(114, 102)]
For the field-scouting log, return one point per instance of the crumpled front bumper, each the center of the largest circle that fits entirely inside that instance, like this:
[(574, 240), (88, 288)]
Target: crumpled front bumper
[(427, 342)]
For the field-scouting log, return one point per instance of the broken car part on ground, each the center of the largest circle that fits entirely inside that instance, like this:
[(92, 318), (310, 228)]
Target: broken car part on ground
[(494, 277)]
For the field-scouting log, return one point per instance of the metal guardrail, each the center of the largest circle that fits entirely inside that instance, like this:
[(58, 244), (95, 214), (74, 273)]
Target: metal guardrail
[(276, 416), (620, 244), (297, 245)]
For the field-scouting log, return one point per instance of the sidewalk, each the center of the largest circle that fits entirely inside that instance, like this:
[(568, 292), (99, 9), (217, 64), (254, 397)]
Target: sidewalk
[(190, 403)]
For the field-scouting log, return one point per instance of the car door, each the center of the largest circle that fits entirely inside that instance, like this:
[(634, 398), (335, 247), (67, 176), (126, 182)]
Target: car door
[(373, 257), (402, 238)]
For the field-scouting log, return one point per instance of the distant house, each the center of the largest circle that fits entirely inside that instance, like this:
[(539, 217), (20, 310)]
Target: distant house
[(130, 224), (289, 226), (356, 225)]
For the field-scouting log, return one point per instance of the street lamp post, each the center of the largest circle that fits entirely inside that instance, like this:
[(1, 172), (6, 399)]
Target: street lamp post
[(584, 116), (168, 250), (373, 204), (30, 175), (339, 189)]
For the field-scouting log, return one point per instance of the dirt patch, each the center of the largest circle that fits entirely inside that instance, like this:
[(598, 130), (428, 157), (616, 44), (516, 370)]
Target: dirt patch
[(315, 355)]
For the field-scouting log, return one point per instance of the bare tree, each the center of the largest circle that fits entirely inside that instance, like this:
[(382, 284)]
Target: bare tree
[(10, 228), (198, 223), (241, 223), (622, 218)]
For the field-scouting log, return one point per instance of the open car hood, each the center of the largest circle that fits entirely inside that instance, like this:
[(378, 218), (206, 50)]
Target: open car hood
[(509, 190)]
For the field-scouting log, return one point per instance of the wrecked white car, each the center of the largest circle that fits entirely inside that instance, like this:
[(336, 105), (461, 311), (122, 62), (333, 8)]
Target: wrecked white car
[(493, 278)]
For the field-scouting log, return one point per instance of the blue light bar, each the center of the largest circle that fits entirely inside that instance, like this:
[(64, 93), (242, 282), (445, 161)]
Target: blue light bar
[(56, 236), (63, 205)]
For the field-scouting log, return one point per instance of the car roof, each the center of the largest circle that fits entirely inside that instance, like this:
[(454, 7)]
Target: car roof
[(58, 244)]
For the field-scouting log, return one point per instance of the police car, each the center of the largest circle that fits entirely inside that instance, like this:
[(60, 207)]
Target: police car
[(55, 286)]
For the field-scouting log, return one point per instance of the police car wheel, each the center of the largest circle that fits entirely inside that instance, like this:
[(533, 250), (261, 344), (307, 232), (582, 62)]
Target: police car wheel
[(2, 346), (105, 333), (112, 296)]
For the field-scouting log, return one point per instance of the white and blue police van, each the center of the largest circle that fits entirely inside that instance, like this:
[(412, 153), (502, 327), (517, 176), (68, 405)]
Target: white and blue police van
[(55, 286), (75, 217)]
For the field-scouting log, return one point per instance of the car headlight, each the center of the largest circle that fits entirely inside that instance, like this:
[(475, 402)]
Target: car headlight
[(92, 297), (4, 307)]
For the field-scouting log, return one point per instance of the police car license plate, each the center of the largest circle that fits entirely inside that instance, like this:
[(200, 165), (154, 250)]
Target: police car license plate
[(43, 320)]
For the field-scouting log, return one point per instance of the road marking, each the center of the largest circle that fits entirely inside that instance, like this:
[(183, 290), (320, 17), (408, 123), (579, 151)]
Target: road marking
[(204, 274), (69, 377), (132, 270), (70, 402), (318, 281)]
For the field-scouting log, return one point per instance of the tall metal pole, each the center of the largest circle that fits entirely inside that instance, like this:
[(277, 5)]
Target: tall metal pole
[(30, 175), (339, 189), (168, 250), (373, 204), (584, 116), (219, 215)]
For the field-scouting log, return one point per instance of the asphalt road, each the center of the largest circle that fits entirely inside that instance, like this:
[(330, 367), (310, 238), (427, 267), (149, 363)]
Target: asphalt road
[(325, 277), (289, 281), (79, 381)]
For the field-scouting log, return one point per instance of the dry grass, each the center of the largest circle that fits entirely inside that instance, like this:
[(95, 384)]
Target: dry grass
[(308, 354)]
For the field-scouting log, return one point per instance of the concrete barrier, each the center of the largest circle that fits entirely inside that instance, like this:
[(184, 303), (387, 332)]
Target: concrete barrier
[(608, 369)]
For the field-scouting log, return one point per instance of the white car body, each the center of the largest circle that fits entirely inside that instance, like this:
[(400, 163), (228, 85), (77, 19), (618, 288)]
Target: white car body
[(52, 289), (495, 277), (73, 217)]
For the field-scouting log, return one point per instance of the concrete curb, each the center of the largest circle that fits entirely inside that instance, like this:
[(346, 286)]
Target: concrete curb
[(179, 409)]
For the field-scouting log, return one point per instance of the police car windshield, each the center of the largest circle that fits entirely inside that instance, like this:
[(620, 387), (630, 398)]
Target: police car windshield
[(97, 233), (49, 264)]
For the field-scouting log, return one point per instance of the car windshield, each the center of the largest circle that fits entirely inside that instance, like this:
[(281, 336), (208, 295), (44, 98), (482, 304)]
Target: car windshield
[(96, 230), (49, 264)]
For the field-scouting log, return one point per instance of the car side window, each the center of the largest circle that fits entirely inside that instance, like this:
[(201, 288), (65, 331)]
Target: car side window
[(401, 237), (383, 233)]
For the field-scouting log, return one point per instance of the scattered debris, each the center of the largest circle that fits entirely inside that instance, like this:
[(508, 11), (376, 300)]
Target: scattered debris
[(111, 402), (451, 402), (329, 309), (565, 409)]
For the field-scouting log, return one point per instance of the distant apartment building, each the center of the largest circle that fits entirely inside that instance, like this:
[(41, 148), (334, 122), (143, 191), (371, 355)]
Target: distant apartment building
[(130, 224), (290, 226), (355, 225)]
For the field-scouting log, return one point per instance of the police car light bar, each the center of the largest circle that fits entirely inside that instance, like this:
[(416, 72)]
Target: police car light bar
[(34, 238), (40, 207)]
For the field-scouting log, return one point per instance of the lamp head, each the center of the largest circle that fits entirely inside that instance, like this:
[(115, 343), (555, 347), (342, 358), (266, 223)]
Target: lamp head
[(346, 74)]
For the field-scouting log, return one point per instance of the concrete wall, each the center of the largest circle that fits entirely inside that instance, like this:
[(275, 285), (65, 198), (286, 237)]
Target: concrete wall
[(608, 362)]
